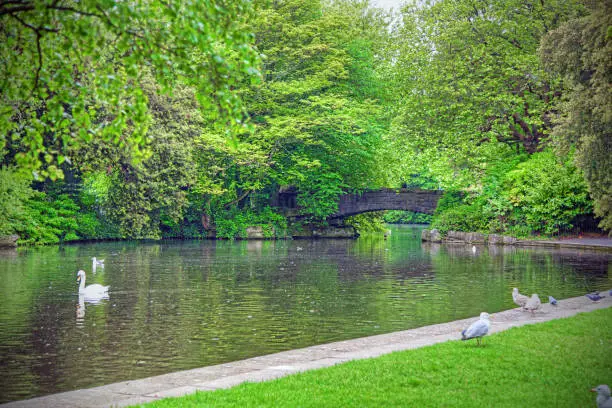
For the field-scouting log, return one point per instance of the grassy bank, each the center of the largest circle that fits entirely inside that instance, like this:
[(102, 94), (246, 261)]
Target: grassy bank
[(552, 364)]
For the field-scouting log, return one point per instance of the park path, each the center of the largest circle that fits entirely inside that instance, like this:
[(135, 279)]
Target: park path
[(596, 243), (288, 362)]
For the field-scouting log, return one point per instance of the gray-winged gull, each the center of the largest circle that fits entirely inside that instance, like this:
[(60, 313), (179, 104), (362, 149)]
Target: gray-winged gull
[(533, 303), (478, 329), (603, 396), (519, 299)]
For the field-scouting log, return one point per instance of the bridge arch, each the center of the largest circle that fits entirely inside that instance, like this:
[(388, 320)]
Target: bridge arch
[(423, 201)]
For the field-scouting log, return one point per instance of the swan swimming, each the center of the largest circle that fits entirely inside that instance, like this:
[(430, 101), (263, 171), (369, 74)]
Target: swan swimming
[(91, 291)]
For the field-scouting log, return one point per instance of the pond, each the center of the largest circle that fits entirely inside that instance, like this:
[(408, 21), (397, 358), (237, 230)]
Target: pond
[(177, 305)]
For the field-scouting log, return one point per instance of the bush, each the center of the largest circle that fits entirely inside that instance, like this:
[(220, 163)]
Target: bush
[(367, 222), (233, 223), (48, 221), (406, 217), (14, 193), (547, 193), (529, 194), (463, 217)]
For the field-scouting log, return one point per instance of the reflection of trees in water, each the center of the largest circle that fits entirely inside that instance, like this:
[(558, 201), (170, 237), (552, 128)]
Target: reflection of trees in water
[(496, 269)]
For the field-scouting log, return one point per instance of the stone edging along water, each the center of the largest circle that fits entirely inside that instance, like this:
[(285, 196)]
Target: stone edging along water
[(477, 238), (289, 362)]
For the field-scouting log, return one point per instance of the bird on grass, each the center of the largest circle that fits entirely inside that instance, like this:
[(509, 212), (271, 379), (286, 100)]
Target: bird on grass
[(594, 296), (533, 303), (603, 396), (552, 301), (519, 299), (478, 329)]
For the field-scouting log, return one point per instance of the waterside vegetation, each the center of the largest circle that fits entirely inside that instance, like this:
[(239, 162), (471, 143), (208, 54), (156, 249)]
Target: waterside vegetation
[(121, 121)]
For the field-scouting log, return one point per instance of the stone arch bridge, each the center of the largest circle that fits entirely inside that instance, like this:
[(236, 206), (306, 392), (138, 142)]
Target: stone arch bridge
[(423, 201)]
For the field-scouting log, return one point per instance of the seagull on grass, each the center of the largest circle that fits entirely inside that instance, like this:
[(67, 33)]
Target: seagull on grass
[(603, 396), (478, 329)]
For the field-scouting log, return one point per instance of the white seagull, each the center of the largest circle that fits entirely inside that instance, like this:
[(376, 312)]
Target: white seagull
[(603, 396), (478, 329), (533, 303), (519, 299)]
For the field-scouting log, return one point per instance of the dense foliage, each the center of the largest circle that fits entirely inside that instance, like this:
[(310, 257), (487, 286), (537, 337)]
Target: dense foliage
[(478, 109), (581, 51), (406, 217), (531, 194), (70, 70), (186, 120)]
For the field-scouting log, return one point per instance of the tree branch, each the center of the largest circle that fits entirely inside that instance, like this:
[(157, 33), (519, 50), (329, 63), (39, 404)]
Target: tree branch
[(239, 199), (38, 49)]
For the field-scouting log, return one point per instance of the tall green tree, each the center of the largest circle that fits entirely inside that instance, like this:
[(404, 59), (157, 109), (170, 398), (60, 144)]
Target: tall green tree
[(471, 85), (580, 51), (140, 196), (317, 114)]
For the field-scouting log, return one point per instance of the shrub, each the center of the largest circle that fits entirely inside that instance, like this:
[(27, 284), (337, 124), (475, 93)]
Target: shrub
[(406, 217), (367, 222), (14, 193), (233, 223), (546, 193), (463, 217), (48, 221)]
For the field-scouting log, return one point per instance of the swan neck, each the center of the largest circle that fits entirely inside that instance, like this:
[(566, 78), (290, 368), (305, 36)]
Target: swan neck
[(82, 284)]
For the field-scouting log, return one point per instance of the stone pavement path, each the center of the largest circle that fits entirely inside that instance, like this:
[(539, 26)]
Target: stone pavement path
[(600, 243), (288, 362)]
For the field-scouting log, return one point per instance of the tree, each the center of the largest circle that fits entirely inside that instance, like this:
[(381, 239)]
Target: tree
[(141, 196), (580, 51), (71, 71), (317, 114), (471, 84)]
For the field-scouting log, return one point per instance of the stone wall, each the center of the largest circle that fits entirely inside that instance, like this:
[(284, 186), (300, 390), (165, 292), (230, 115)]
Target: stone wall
[(8, 241), (325, 232), (467, 238)]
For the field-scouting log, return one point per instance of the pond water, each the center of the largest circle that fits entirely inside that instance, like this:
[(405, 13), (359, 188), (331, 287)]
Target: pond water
[(183, 304)]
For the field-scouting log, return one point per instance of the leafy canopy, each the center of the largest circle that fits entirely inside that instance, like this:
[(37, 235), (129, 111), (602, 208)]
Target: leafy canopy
[(70, 70)]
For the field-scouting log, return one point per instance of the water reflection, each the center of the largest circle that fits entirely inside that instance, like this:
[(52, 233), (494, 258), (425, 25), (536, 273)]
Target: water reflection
[(178, 305), (80, 308)]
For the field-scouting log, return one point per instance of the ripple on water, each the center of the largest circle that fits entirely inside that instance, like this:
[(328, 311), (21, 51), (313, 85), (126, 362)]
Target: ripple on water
[(182, 304)]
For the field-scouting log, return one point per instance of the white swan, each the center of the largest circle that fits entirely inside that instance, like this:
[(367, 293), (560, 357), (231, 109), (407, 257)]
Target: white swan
[(91, 291)]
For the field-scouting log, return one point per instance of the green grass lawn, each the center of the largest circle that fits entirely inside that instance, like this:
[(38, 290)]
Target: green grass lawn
[(552, 364)]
